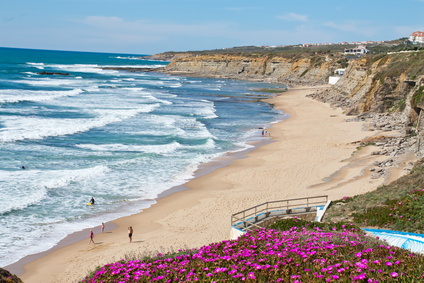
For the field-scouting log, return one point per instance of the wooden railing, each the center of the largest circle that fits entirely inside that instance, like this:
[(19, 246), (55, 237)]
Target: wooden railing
[(248, 218)]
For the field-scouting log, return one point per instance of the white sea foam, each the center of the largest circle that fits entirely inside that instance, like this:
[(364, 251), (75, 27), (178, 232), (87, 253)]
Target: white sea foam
[(146, 94), (208, 112), (97, 69), (21, 128), (83, 68), (36, 65), (210, 144), (128, 57), (18, 95), (203, 108), (174, 85), (158, 149), (135, 66), (50, 82), (30, 73), (62, 178), (21, 198)]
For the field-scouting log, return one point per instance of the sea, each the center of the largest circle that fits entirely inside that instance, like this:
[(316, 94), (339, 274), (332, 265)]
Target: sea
[(124, 138)]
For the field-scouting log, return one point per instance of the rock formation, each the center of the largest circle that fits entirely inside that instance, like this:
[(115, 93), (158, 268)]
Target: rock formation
[(7, 277), (311, 70), (53, 73), (387, 90)]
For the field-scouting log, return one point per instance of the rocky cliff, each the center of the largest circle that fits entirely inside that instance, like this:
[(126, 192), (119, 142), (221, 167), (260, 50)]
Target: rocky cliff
[(387, 87), (298, 70)]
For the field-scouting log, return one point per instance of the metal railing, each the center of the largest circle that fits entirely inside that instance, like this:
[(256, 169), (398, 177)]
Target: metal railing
[(248, 218)]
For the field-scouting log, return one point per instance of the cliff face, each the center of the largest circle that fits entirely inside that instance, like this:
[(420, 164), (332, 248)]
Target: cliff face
[(297, 71), (391, 86), (386, 85), (378, 84)]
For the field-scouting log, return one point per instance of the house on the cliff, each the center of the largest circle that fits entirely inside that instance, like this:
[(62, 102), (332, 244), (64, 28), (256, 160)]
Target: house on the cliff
[(360, 50), (417, 37)]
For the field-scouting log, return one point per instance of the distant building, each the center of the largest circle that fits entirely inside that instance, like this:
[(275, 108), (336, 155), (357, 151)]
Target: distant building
[(358, 51), (417, 37)]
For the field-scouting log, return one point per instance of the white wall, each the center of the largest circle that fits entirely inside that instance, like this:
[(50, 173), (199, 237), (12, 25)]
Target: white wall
[(333, 80)]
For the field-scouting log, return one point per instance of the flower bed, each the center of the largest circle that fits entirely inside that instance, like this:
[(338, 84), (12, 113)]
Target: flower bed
[(267, 255)]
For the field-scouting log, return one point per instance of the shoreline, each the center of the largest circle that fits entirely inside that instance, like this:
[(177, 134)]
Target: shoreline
[(313, 144), (17, 267)]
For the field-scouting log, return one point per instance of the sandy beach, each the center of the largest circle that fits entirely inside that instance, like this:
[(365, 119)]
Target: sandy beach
[(312, 153)]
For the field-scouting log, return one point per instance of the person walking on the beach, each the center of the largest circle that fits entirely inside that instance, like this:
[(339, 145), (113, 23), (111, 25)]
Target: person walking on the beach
[(103, 227), (91, 237), (130, 233)]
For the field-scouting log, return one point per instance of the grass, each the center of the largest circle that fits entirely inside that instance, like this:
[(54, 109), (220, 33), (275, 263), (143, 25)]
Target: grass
[(418, 97), (411, 64), (397, 206)]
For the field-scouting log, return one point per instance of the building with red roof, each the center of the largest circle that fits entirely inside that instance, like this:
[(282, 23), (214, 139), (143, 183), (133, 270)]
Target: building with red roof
[(417, 37)]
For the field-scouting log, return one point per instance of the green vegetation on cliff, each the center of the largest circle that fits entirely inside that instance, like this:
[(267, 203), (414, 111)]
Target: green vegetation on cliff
[(410, 64), (298, 51), (397, 206), (418, 97)]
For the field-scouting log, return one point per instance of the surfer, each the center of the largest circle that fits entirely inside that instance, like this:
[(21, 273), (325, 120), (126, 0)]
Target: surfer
[(92, 200), (22, 167)]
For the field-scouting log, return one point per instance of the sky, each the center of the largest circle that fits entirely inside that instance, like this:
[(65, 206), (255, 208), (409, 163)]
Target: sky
[(155, 26)]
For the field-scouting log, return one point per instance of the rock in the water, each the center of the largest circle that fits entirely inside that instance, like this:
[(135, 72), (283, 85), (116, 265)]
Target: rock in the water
[(53, 73)]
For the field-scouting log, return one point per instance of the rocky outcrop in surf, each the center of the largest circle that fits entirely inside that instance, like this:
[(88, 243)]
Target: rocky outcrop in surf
[(53, 73)]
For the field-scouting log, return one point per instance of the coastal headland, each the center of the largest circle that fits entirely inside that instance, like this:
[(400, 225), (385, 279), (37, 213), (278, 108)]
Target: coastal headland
[(314, 152)]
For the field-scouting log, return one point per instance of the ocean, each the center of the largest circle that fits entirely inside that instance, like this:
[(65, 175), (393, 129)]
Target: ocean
[(120, 137)]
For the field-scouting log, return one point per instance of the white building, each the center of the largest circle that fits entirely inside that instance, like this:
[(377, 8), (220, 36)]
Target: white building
[(358, 51), (417, 37)]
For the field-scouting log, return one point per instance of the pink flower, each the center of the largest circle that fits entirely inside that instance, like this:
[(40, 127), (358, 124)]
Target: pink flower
[(251, 275)]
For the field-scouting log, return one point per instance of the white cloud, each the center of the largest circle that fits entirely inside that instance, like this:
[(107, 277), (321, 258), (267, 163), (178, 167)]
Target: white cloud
[(293, 17)]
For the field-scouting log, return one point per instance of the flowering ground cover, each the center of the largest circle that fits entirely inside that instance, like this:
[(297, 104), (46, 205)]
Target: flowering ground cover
[(268, 255)]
